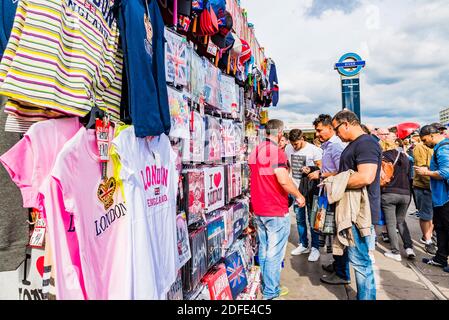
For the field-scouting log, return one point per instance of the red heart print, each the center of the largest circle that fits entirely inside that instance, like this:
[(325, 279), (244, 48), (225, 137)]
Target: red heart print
[(217, 179), (40, 265)]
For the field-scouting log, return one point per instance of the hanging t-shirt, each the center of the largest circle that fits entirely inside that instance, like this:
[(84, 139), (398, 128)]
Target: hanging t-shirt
[(142, 34), (301, 158), (31, 160), (100, 218), (7, 12), (13, 226), (40, 70), (150, 180)]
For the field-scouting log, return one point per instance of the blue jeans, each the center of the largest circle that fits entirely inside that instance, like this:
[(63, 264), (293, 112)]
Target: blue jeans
[(372, 239), (341, 263), (361, 262), (272, 233), (301, 222)]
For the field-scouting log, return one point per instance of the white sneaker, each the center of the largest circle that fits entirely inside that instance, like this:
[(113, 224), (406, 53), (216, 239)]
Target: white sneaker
[(410, 253), (371, 256), (394, 256), (314, 255), (300, 250)]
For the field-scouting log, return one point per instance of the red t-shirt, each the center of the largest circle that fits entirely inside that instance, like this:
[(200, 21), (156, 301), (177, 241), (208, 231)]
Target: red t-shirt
[(268, 198)]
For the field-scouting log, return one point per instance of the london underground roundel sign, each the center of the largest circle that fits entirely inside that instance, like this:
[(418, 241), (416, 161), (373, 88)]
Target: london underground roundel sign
[(350, 64)]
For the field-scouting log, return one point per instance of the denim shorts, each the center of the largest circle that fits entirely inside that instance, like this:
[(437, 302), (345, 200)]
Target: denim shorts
[(424, 203)]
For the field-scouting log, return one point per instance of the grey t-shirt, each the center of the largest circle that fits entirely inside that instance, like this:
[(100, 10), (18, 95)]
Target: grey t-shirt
[(13, 226)]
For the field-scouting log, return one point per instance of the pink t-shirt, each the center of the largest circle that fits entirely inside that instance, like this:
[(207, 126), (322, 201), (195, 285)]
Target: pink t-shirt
[(100, 220), (30, 161)]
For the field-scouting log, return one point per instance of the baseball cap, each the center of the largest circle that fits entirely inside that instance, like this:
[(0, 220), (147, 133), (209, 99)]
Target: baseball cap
[(415, 134), (428, 129), (439, 126), (225, 23)]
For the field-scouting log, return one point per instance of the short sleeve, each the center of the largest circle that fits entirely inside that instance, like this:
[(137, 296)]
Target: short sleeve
[(368, 151), (19, 163), (123, 143)]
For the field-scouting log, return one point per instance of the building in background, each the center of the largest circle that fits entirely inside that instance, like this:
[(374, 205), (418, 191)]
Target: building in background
[(444, 116), (307, 128)]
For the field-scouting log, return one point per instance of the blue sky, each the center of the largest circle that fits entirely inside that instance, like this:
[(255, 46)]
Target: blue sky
[(405, 44)]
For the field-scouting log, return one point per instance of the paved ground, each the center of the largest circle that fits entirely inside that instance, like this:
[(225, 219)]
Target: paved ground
[(406, 280)]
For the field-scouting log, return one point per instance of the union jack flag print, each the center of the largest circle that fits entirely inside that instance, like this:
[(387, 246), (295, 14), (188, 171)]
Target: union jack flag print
[(176, 59), (236, 274)]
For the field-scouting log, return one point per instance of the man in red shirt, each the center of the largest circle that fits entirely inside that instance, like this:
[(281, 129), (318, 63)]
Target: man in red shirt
[(270, 187)]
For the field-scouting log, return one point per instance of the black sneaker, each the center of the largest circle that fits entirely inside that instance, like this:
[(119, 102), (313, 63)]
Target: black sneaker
[(329, 267), (334, 280), (432, 262), (430, 249), (385, 237)]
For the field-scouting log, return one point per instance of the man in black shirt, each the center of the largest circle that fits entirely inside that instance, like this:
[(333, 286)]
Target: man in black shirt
[(363, 155)]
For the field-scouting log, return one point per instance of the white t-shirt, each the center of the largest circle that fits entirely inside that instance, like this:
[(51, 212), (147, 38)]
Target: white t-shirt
[(304, 157), (150, 181)]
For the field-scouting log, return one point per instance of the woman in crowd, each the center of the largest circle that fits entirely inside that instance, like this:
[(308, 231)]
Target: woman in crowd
[(395, 201), (283, 143)]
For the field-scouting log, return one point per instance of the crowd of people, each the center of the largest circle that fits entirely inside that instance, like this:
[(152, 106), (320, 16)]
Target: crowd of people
[(364, 179)]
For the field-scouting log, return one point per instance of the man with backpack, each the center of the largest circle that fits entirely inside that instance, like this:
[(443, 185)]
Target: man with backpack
[(439, 175)]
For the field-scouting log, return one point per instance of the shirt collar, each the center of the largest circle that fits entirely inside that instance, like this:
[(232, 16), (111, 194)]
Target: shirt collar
[(334, 139), (269, 140)]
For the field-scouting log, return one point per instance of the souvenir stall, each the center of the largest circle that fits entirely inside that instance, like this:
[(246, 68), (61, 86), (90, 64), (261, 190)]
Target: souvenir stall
[(128, 128)]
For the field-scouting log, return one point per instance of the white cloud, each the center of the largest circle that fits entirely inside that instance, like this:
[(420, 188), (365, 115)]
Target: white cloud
[(403, 41)]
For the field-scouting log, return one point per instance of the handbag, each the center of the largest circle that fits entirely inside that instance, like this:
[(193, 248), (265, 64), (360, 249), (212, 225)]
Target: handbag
[(314, 209), (329, 221), (321, 209)]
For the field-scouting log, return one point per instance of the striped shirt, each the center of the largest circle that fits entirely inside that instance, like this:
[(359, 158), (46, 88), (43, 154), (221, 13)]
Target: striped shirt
[(62, 58)]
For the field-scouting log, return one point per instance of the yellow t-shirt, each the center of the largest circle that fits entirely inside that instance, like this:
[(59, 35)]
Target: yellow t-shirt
[(422, 155)]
